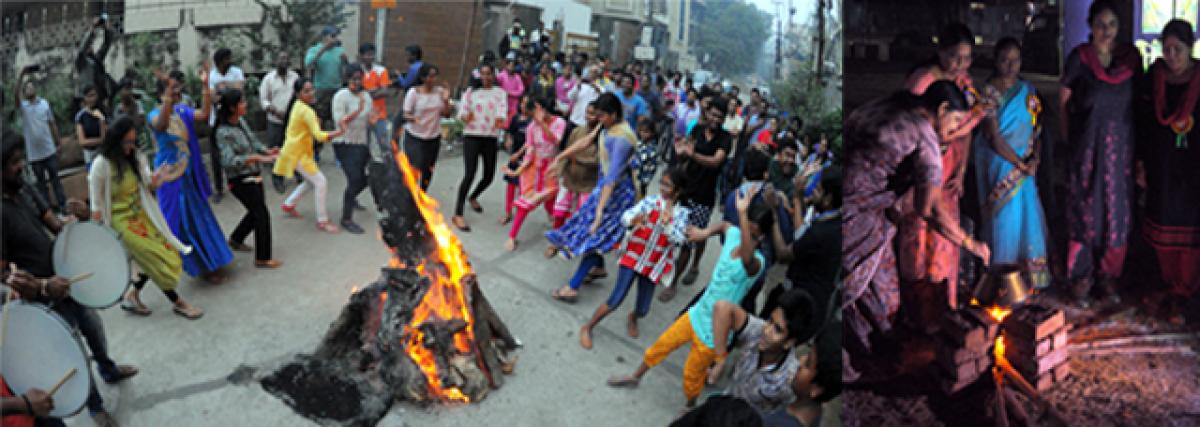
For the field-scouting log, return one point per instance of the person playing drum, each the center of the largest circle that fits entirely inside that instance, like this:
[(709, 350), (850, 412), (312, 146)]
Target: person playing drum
[(26, 244), (22, 410)]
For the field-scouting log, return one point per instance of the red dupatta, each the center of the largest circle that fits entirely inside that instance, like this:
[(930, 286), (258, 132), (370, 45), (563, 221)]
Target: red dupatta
[(1180, 120), (1124, 62)]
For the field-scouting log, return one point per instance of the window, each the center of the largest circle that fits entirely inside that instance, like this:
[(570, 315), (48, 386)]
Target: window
[(1156, 13), (682, 19)]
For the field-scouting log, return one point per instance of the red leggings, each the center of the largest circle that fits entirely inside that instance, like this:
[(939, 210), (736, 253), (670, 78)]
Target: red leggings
[(523, 209)]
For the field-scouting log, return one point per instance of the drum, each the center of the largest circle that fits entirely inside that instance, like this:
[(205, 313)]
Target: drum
[(38, 349), (86, 247)]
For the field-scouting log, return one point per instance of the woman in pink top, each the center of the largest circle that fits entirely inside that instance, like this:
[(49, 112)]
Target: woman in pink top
[(538, 187), (424, 106), (563, 86), (511, 82)]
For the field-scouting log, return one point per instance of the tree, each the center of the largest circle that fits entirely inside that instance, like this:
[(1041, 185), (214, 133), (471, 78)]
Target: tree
[(732, 33), (296, 24)]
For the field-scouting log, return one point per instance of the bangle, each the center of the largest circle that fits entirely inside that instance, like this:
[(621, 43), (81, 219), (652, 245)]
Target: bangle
[(28, 406), (966, 241)]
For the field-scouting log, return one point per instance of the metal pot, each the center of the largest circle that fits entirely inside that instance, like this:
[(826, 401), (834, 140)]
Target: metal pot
[(1002, 285)]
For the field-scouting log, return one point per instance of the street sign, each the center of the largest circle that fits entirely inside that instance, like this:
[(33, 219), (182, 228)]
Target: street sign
[(643, 53), (383, 4)]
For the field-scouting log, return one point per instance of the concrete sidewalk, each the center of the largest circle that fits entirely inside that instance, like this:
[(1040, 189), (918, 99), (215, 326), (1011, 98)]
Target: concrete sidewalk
[(261, 318)]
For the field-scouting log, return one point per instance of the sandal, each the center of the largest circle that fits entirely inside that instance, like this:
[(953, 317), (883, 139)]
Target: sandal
[(475, 206), (504, 220), (550, 251), (461, 223), (271, 263), (135, 306), (510, 245), (240, 247), (291, 211), (623, 382), (190, 313), (567, 298), (327, 227), (667, 294)]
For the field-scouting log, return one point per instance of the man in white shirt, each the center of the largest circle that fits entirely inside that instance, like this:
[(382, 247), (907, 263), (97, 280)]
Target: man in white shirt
[(275, 92), (222, 77), (580, 96), (41, 140)]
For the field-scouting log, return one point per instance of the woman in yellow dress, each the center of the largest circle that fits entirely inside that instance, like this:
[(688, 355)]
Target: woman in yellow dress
[(121, 187)]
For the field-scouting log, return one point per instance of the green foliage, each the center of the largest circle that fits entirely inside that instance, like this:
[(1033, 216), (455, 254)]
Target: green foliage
[(294, 35), (800, 95), (732, 33)]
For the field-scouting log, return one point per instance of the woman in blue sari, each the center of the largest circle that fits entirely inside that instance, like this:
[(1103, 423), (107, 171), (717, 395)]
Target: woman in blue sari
[(184, 201), (1006, 158)]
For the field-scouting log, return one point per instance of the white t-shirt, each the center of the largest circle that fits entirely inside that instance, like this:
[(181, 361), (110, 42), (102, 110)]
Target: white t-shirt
[(581, 95), (233, 74), (346, 102), (35, 125)]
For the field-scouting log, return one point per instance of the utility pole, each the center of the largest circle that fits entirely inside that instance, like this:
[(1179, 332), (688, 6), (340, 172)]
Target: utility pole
[(820, 59), (778, 40)]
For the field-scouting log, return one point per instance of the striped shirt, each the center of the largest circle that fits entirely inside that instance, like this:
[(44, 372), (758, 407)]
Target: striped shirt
[(651, 247)]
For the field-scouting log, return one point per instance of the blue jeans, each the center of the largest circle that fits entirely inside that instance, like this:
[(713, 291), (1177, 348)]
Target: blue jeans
[(379, 141), (586, 264), (353, 158), (645, 291), (45, 172)]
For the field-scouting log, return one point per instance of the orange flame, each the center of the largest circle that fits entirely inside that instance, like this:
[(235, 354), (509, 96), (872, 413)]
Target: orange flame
[(999, 350), (998, 313), (445, 298)]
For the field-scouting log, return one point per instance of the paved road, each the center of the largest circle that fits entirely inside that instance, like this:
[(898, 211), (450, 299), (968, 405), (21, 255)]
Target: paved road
[(262, 318)]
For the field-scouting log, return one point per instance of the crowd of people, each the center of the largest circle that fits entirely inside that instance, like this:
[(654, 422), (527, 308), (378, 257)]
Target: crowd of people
[(585, 139), (947, 149)]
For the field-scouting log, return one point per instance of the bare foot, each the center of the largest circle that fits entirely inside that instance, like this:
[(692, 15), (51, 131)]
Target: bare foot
[(585, 338), (510, 245), (631, 326)]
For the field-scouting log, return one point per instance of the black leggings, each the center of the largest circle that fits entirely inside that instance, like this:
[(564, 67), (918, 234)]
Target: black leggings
[(473, 147), (422, 155), (257, 218), (218, 173), (141, 283)]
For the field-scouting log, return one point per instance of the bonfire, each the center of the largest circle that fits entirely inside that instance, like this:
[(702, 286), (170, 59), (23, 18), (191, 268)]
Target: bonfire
[(423, 332)]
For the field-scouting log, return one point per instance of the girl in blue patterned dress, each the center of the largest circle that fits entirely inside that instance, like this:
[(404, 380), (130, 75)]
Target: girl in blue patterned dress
[(595, 228)]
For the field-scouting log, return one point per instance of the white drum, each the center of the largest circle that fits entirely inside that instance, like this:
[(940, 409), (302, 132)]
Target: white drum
[(86, 247), (38, 349)]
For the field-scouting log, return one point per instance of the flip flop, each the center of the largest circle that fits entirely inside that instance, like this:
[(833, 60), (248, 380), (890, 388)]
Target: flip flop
[(558, 295), (139, 309), (461, 223), (623, 382), (585, 339), (193, 314), (475, 206)]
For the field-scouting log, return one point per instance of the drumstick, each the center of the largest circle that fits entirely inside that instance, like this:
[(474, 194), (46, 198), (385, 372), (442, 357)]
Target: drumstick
[(79, 278), (62, 381)]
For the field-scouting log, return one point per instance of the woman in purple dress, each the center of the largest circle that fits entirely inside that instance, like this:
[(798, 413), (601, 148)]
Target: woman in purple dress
[(892, 153), (1097, 121)]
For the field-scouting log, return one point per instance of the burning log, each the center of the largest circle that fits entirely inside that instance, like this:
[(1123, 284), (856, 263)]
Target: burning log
[(423, 332)]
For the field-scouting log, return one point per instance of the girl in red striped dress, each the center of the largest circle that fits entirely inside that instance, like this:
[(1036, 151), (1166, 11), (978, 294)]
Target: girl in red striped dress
[(658, 226)]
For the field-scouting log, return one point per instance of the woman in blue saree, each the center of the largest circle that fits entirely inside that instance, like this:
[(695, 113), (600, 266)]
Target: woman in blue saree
[(1006, 158), (184, 201)]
